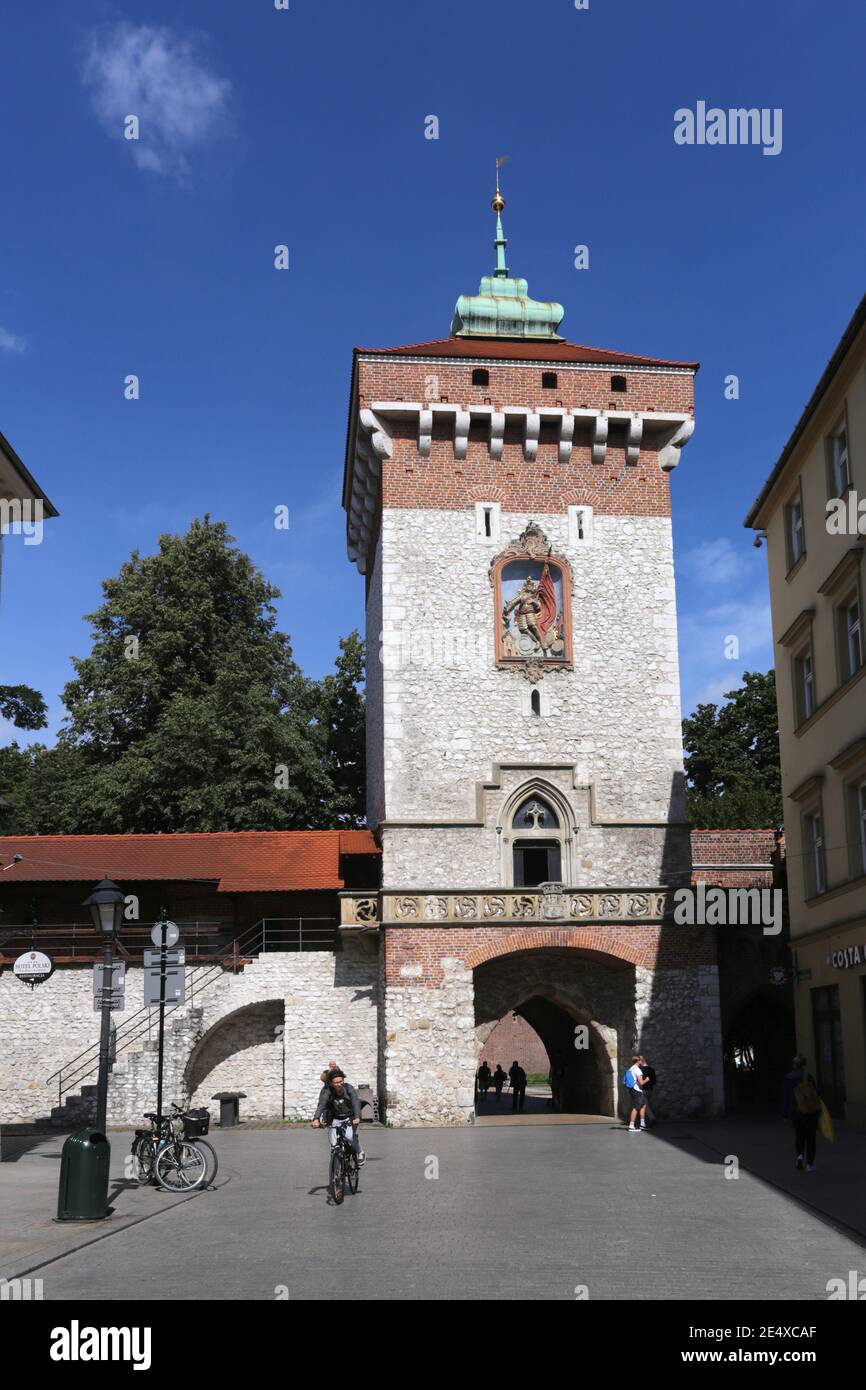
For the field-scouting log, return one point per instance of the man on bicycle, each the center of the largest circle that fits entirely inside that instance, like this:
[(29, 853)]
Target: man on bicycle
[(338, 1102)]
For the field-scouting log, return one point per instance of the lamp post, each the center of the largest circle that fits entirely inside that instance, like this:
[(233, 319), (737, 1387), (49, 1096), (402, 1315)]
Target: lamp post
[(106, 908)]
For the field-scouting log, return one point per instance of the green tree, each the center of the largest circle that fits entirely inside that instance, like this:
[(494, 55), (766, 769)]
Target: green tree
[(732, 758), (23, 706), (190, 712), (341, 716)]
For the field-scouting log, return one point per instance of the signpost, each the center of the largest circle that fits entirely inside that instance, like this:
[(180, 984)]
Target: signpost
[(109, 987), (169, 965)]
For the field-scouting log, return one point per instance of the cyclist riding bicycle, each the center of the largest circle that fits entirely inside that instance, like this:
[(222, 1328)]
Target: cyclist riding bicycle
[(339, 1102)]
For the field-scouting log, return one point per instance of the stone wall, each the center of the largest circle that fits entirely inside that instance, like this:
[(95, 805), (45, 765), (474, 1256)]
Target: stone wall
[(223, 1039), (451, 719)]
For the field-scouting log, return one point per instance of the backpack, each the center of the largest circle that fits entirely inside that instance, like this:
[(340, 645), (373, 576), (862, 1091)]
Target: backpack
[(627, 1080), (806, 1097)]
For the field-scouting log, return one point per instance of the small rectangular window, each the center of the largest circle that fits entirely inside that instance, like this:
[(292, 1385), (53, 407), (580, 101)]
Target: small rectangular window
[(795, 538), (480, 377), (804, 686), (849, 638), (839, 478), (549, 381), (618, 383), (815, 877)]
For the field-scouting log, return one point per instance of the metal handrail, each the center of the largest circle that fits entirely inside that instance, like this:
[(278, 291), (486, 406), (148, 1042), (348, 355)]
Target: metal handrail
[(252, 942)]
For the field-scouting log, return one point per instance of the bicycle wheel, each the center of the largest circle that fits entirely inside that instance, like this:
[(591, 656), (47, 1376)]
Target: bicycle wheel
[(211, 1160), (335, 1180), (181, 1168), (144, 1152), (352, 1172)]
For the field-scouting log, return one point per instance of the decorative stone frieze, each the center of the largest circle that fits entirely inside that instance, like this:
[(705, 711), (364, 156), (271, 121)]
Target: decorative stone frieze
[(551, 903)]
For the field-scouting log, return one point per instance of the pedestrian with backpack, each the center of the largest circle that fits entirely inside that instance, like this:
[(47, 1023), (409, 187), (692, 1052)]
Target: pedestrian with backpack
[(633, 1082), (801, 1104)]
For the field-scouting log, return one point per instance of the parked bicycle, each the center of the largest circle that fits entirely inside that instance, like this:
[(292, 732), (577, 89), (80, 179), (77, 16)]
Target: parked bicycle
[(344, 1172), (173, 1152)]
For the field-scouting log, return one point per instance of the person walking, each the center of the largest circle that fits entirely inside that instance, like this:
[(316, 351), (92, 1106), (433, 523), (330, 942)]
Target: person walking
[(649, 1080), (517, 1077), (801, 1104), (499, 1079), (484, 1076), (633, 1082)]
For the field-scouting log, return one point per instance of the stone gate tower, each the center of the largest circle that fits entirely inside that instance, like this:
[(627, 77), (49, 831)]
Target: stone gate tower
[(508, 502)]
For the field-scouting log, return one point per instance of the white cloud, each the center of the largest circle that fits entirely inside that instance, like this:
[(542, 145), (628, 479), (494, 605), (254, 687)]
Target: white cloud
[(715, 563), (163, 79), (10, 342)]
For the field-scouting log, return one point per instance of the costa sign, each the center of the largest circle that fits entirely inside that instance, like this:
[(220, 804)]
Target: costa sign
[(33, 967), (848, 956)]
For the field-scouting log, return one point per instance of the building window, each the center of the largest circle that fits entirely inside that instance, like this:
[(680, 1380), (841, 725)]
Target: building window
[(537, 847), (816, 881), (549, 381), (535, 702), (579, 525), (795, 538), (618, 383), (804, 686), (849, 640), (480, 377), (839, 479), (487, 522)]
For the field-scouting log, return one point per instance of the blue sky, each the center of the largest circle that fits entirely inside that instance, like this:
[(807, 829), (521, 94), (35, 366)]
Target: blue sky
[(306, 127)]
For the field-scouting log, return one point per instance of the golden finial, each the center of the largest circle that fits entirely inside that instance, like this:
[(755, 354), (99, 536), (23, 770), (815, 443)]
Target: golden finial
[(498, 202)]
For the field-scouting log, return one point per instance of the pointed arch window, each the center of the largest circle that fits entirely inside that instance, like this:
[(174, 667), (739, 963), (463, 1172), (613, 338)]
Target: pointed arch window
[(536, 843)]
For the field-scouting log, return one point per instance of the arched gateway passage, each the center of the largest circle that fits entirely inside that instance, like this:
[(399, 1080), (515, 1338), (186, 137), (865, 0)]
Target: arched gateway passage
[(581, 1005)]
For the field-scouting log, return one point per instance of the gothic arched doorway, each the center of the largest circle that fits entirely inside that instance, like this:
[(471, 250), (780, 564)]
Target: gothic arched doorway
[(580, 1006)]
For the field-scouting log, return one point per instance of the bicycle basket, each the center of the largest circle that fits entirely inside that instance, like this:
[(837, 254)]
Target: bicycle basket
[(196, 1123)]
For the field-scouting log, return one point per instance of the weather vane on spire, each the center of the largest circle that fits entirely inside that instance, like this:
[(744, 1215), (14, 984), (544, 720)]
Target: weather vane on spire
[(498, 203)]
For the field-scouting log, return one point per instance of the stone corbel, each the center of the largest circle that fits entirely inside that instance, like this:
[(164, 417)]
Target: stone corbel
[(532, 430), (566, 437), (461, 433), (669, 456), (425, 431), (379, 436), (633, 439), (599, 438), (497, 433)]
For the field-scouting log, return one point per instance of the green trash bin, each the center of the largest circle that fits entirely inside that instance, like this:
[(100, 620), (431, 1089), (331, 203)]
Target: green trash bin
[(84, 1164)]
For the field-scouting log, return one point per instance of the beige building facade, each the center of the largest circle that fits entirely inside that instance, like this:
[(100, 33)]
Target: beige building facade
[(812, 513)]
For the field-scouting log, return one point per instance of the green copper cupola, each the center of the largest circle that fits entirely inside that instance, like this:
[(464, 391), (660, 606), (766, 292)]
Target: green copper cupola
[(502, 307)]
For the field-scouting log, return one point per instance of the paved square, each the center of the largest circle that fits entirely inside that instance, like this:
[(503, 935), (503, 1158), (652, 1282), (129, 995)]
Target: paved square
[(527, 1212)]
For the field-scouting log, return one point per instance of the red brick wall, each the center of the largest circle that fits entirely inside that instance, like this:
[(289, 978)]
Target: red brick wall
[(670, 947), (728, 852), (441, 481), (513, 1039)]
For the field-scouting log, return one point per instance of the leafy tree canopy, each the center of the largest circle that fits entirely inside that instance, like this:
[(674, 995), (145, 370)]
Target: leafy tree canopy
[(190, 712), (732, 758)]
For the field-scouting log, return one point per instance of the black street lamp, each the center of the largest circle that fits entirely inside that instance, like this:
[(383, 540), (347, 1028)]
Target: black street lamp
[(106, 908)]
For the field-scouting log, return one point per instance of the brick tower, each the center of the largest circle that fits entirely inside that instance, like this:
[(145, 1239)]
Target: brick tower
[(508, 502)]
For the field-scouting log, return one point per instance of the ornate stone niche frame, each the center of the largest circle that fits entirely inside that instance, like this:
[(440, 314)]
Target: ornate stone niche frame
[(531, 544)]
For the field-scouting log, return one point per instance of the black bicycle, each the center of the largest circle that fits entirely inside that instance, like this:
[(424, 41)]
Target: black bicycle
[(344, 1172), (173, 1152)]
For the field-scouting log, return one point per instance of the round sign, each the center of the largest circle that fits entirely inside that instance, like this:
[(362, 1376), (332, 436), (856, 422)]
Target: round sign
[(33, 967), (172, 934)]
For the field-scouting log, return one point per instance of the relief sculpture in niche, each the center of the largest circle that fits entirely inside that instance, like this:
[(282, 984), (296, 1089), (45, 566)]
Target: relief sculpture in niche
[(532, 590)]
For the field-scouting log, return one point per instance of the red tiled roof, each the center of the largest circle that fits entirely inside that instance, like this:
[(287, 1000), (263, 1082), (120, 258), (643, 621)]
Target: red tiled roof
[(245, 861), (513, 349)]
